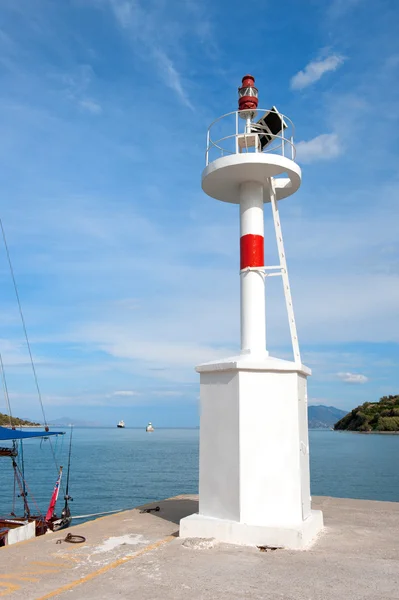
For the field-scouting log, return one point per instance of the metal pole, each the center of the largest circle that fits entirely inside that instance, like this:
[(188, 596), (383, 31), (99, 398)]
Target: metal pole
[(253, 319)]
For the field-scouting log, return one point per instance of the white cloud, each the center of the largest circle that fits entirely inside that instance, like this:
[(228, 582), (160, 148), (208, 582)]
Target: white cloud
[(91, 106), (171, 76), (322, 147), (143, 26), (315, 70), (352, 377), (125, 393), (167, 393), (123, 10)]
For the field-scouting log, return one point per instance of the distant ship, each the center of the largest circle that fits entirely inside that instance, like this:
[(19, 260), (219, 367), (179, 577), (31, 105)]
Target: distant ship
[(121, 424), (149, 427)]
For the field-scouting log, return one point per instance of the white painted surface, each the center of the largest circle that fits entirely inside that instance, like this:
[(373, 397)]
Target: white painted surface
[(253, 318), (22, 533), (270, 486), (304, 445), (254, 474), (219, 446), (253, 363), (251, 208), (222, 178), (231, 532)]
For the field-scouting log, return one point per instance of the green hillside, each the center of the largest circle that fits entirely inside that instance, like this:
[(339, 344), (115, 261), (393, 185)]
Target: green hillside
[(372, 416), (5, 420)]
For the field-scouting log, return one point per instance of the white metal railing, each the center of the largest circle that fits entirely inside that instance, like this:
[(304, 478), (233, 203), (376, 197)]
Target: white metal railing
[(229, 133)]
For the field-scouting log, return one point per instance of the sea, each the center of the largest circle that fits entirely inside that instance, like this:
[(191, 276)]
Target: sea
[(115, 469)]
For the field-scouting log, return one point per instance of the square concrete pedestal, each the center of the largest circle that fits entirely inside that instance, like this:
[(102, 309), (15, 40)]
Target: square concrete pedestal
[(254, 486)]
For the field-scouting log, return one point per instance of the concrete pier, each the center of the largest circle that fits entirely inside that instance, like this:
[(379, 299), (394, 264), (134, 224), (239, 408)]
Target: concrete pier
[(136, 555)]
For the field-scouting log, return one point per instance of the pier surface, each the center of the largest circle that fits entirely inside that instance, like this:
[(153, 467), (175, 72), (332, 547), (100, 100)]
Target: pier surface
[(138, 555)]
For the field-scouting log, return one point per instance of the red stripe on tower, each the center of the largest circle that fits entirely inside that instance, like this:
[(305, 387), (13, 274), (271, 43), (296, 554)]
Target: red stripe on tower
[(252, 251)]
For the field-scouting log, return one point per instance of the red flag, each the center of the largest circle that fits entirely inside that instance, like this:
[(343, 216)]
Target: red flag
[(53, 501)]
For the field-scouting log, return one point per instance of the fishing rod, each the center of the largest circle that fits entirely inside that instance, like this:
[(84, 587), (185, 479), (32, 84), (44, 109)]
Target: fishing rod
[(67, 496)]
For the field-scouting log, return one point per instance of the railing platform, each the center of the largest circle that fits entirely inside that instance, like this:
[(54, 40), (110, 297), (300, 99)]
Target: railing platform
[(231, 134)]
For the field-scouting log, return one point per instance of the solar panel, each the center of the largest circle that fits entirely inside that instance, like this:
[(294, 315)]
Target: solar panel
[(269, 126)]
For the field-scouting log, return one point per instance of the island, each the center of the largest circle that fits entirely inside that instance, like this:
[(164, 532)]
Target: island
[(379, 417), (15, 422)]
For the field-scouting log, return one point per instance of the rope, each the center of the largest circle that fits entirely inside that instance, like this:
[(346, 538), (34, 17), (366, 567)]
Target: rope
[(23, 323), (108, 512), (72, 539), (27, 342), (7, 397)]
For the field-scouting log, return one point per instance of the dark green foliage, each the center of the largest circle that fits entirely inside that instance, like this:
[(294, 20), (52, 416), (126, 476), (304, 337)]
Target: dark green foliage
[(5, 420), (373, 416)]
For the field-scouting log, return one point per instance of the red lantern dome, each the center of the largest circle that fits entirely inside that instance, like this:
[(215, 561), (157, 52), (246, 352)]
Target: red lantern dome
[(248, 94)]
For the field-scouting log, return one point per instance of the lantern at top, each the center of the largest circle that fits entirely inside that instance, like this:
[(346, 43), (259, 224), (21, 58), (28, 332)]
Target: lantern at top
[(248, 96)]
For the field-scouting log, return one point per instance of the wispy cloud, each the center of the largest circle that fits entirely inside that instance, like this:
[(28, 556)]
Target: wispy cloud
[(323, 147), (171, 77), (91, 106), (352, 378), (338, 8), (146, 26), (168, 393), (315, 70), (76, 84), (125, 393)]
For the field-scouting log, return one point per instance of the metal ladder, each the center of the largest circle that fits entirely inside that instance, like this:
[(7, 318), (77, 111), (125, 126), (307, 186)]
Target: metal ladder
[(281, 269)]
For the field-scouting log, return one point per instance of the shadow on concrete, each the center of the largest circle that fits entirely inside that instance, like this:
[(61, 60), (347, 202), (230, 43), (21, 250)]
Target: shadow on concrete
[(173, 509)]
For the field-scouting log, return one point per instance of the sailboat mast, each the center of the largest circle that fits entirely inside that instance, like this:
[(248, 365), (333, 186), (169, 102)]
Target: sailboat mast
[(22, 489), (67, 496), (24, 492)]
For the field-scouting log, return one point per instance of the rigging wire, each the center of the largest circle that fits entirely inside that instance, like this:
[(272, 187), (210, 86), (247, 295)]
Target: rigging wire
[(7, 397), (23, 489), (46, 427), (23, 324)]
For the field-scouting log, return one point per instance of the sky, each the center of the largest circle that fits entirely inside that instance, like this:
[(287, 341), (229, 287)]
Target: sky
[(127, 272)]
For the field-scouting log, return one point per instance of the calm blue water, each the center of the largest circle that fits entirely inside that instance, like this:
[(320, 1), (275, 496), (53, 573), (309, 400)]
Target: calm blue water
[(116, 469)]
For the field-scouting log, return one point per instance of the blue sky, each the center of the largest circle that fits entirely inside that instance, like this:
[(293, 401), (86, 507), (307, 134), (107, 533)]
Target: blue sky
[(127, 272)]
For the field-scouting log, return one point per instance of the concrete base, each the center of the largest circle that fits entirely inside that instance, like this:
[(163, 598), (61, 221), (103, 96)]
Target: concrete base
[(254, 484), (232, 532), (135, 555)]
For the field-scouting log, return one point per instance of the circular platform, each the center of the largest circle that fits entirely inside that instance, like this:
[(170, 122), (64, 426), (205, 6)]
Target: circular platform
[(222, 178)]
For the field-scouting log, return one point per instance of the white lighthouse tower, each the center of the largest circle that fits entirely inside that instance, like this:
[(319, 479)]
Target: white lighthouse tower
[(254, 486)]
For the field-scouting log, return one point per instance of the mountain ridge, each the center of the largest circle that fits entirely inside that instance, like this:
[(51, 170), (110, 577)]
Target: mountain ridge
[(324, 417)]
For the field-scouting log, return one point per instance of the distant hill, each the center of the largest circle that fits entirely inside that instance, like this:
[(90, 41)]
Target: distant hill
[(324, 417), (66, 421), (372, 416), (5, 420)]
